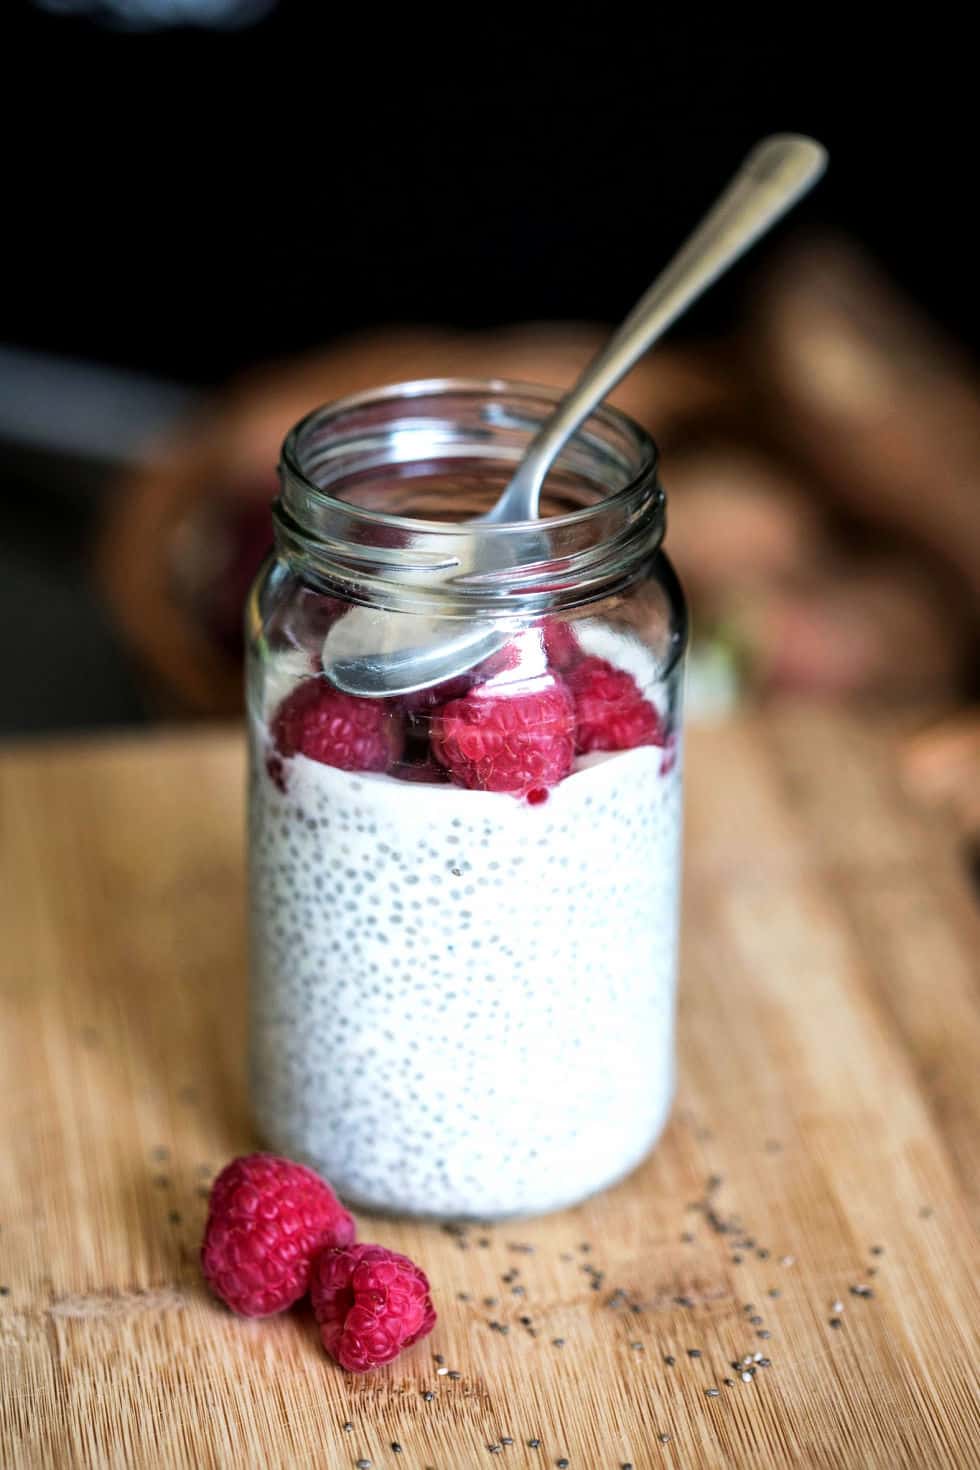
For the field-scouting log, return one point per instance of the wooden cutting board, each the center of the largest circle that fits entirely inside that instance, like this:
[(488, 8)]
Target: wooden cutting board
[(826, 1137)]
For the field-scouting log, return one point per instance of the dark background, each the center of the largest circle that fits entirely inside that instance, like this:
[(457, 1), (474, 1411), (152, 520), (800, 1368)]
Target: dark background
[(187, 202)]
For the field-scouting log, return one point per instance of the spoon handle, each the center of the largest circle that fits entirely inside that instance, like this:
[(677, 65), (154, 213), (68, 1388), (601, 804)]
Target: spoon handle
[(777, 172)]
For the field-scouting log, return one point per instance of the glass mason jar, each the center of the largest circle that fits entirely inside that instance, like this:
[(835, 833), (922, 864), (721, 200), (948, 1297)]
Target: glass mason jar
[(464, 900)]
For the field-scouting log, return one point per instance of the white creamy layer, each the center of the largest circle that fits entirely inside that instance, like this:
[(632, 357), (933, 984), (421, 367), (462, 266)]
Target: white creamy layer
[(463, 1004)]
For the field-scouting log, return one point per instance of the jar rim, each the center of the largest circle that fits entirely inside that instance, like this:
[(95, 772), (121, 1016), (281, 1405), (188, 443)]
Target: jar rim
[(382, 558), (606, 414)]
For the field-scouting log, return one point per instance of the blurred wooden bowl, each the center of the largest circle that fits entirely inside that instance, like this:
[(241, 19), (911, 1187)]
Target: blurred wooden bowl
[(186, 528)]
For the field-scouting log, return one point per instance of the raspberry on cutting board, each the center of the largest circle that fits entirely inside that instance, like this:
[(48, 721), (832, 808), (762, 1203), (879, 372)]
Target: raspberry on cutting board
[(610, 711), (370, 1303), (516, 742), (337, 729), (267, 1219)]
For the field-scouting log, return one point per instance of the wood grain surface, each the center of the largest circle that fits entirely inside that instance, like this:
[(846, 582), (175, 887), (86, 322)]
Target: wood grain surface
[(826, 1137)]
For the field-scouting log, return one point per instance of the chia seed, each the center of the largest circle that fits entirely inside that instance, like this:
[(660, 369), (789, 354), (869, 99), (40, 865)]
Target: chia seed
[(694, 1352), (712, 1393), (836, 1322)]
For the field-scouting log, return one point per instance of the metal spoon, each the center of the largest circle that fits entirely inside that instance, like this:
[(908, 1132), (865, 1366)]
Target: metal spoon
[(373, 654)]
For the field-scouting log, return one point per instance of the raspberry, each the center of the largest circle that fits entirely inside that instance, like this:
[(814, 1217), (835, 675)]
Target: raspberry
[(266, 1221), (338, 729), (610, 711), (506, 742), (370, 1303), (560, 644)]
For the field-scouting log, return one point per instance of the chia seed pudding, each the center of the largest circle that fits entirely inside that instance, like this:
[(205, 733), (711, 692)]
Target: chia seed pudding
[(463, 1004), (464, 898)]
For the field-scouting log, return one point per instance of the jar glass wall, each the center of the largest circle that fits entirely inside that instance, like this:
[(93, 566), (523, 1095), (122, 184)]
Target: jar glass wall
[(464, 900)]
